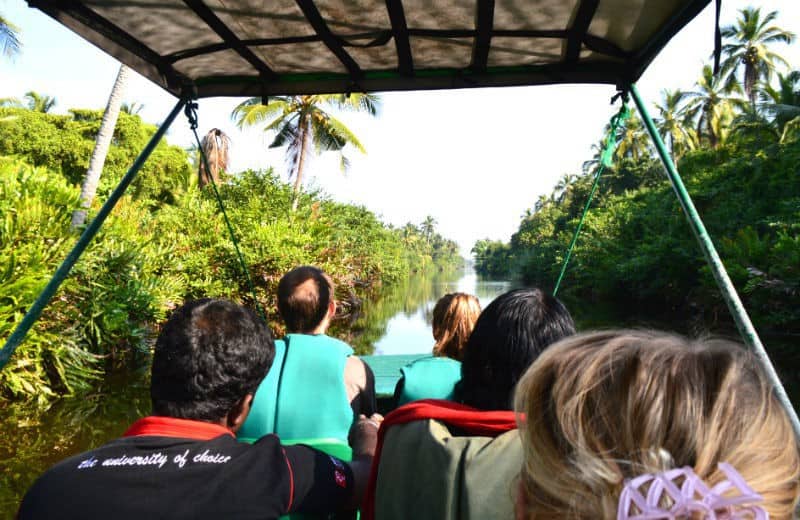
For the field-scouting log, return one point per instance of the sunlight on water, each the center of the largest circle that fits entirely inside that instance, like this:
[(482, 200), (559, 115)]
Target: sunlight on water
[(410, 333)]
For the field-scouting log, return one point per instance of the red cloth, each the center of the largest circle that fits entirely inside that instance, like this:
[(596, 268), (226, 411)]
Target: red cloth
[(173, 427), (468, 419)]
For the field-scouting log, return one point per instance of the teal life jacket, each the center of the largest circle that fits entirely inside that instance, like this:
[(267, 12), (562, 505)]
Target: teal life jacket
[(428, 378), (303, 395)]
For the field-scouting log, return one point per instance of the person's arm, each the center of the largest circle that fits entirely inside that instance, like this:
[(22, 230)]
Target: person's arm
[(360, 382), (324, 484), (363, 440)]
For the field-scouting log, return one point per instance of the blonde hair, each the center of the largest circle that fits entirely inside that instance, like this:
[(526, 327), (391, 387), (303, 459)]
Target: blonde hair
[(454, 317), (607, 406)]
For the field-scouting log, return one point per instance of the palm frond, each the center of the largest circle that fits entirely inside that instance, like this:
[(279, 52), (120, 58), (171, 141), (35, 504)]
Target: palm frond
[(251, 112)]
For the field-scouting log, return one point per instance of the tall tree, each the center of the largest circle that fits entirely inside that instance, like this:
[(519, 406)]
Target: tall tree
[(216, 147), (133, 108), (782, 103), (709, 107), (634, 141), (428, 228), (101, 146), (747, 49), (671, 123), (10, 44), (39, 102), (301, 123)]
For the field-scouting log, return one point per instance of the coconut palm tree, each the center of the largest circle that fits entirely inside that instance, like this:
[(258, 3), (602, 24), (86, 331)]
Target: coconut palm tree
[(301, 123), (710, 107), (10, 44), (747, 48), (39, 102), (563, 186), (216, 147), (428, 228), (634, 141), (132, 109), (671, 123), (101, 146), (782, 103)]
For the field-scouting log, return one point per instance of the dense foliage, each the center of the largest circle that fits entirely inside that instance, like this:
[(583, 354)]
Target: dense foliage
[(736, 141), (165, 242)]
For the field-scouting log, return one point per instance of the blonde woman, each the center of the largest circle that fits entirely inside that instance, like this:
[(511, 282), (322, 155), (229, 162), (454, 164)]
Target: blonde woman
[(454, 317), (643, 424)]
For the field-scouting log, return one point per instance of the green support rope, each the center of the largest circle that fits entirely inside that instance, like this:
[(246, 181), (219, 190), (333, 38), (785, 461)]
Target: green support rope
[(191, 115), (617, 120)]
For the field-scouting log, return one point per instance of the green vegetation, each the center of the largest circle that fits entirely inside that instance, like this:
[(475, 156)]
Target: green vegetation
[(165, 242), (738, 159)]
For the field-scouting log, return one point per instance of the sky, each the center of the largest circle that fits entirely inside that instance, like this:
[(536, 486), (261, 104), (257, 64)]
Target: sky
[(474, 159)]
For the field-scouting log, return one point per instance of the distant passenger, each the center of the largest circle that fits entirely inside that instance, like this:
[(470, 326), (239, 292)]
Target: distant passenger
[(317, 386), (644, 424), (183, 460), (454, 316), (508, 336)]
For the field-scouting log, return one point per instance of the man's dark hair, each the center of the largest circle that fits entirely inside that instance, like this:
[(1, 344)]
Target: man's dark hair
[(509, 335), (209, 355), (303, 297)]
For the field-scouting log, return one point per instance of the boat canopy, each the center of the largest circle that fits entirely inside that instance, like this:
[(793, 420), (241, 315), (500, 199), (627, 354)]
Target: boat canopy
[(287, 47)]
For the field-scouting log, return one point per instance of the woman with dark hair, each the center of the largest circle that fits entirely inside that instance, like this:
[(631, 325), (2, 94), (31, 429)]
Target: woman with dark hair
[(509, 335)]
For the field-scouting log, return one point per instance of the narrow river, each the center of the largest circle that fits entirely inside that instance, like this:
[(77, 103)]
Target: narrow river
[(397, 321)]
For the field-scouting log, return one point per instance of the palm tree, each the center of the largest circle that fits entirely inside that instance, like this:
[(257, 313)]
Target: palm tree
[(216, 147), (709, 107), (634, 142), (300, 122), (10, 45), (11, 102), (133, 108), (428, 228), (747, 48), (563, 186), (671, 123), (39, 102), (101, 146), (782, 103)]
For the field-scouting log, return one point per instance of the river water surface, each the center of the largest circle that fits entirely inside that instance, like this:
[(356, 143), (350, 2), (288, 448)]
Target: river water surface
[(396, 321)]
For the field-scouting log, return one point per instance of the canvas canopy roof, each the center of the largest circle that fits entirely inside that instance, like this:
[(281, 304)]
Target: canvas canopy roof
[(249, 47)]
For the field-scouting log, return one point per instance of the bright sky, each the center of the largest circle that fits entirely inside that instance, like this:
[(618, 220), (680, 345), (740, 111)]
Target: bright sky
[(473, 159)]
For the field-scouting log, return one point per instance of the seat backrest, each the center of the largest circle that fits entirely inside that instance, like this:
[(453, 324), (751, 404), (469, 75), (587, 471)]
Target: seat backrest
[(441, 460)]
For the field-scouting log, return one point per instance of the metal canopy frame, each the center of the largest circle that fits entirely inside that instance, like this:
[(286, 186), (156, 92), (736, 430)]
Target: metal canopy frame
[(615, 60), (161, 69)]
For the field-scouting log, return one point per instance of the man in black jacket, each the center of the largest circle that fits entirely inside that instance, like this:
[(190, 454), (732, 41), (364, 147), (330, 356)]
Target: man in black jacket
[(183, 461)]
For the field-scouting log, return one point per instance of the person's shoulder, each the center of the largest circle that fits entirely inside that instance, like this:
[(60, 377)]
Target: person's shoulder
[(343, 347)]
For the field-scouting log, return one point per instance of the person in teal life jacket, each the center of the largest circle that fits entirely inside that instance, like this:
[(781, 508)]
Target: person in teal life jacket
[(454, 316), (509, 335), (183, 461), (317, 387)]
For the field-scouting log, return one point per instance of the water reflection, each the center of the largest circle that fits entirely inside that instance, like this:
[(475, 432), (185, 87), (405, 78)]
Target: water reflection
[(410, 333)]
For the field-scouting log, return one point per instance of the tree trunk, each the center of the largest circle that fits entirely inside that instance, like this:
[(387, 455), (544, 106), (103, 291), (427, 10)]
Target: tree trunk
[(101, 146), (298, 175)]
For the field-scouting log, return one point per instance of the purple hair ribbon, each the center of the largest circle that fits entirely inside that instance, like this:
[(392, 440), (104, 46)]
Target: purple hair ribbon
[(666, 499)]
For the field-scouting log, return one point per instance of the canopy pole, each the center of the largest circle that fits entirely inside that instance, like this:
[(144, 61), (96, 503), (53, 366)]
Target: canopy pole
[(88, 234), (724, 283)]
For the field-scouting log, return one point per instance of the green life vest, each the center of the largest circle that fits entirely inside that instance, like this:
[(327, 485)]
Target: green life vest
[(303, 395), (428, 378)]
